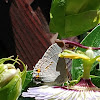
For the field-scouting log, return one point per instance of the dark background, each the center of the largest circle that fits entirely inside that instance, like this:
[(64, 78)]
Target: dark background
[(7, 44)]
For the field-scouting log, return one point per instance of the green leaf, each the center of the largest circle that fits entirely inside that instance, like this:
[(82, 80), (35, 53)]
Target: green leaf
[(91, 40), (57, 21), (29, 77), (73, 17), (77, 6), (77, 24), (96, 80)]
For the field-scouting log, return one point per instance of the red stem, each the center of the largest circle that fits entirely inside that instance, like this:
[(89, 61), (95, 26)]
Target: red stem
[(79, 45)]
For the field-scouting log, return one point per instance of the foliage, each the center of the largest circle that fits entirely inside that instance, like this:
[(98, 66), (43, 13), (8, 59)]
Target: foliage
[(91, 40), (28, 79), (74, 17)]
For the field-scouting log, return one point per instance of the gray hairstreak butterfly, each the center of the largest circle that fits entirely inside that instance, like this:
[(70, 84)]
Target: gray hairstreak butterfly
[(50, 68)]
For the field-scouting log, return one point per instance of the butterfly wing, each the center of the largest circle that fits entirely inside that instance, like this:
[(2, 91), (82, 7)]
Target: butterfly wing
[(50, 68)]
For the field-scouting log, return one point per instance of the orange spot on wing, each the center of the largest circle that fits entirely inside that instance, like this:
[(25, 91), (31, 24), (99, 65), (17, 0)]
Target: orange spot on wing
[(38, 70), (37, 76)]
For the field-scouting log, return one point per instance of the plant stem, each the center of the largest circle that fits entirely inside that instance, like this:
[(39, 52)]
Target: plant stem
[(87, 64), (79, 45)]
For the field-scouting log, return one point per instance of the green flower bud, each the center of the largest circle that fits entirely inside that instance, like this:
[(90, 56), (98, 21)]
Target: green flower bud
[(90, 53), (11, 79), (6, 75)]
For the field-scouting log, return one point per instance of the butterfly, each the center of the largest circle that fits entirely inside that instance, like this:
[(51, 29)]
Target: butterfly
[(50, 68)]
